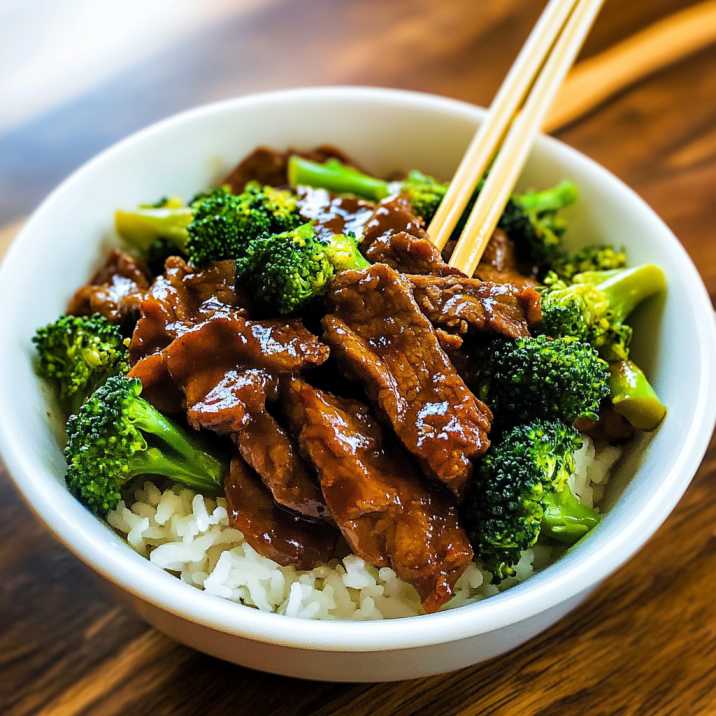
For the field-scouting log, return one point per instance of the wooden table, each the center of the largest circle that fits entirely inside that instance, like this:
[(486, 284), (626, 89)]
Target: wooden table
[(646, 643)]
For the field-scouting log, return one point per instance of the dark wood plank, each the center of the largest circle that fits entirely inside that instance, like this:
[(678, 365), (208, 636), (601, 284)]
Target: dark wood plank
[(643, 644)]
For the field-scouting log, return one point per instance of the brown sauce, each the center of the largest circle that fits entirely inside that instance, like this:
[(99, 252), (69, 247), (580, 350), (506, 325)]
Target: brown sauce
[(271, 531)]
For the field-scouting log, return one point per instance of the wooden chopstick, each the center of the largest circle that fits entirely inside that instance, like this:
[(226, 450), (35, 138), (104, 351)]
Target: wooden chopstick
[(502, 110), (662, 43), (514, 151)]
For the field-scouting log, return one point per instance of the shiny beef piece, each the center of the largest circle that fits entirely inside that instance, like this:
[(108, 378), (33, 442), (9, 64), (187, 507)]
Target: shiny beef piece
[(269, 166), (226, 366), (181, 298), (380, 335), (266, 447), (409, 254), (500, 252), (509, 278), (611, 427), (227, 369), (385, 512), (157, 384), (116, 290), (334, 214), (272, 532), (226, 403), (392, 216), (467, 304), (499, 263)]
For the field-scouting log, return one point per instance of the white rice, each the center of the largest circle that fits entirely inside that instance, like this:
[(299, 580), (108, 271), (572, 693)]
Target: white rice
[(189, 535)]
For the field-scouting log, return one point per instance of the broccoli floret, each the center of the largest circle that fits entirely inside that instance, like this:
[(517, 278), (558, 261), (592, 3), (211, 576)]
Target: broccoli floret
[(117, 435), (599, 257), (521, 494), (215, 226), (526, 378), (422, 191), (596, 305), (533, 221), (285, 271), (78, 353)]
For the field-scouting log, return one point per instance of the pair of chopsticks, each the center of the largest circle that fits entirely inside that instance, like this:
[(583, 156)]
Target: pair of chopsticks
[(513, 121)]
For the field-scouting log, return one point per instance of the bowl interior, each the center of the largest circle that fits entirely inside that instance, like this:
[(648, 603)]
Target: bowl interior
[(385, 131)]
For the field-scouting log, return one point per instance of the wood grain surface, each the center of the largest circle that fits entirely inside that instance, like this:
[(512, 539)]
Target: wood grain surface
[(645, 643)]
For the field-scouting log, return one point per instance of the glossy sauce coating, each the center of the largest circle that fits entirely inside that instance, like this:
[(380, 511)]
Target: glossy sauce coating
[(271, 531), (116, 290), (468, 304), (381, 337), (267, 448), (386, 512)]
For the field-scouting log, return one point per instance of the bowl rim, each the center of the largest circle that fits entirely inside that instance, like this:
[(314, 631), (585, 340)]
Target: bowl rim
[(599, 556)]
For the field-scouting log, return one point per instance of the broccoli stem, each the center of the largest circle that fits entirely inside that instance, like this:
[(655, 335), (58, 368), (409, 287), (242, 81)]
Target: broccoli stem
[(336, 177), (552, 199), (633, 396), (154, 462), (566, 519), (625, 289), (195, 463), (142, 226)]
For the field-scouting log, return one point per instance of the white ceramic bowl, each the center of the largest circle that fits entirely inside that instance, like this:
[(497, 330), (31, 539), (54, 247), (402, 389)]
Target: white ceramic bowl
[(385, 130)]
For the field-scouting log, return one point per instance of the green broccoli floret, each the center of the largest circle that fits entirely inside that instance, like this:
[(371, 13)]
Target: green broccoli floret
[(285, 271), (215, 226), (599, 257), (78, 353), (117, 435), (526, 378), (532, 220), (521, 495), (595, 306), (422, 191)]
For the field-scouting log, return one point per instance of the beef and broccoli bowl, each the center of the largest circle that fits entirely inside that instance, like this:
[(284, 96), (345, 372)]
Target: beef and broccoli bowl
[(280, 391)]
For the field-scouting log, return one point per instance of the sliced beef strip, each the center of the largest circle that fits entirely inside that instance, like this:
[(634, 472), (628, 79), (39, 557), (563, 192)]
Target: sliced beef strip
[(267, 448), (182, 297), (381, 337), (226, 366), (409, 254), (499, 262), (610, 428), (385, 512), (511, 278), (116, 290), (268, 166), (392, 216), (157, 384), (467, 304), (226, 401), (500, 252), (227, 369), (450, 342), (272, 532)]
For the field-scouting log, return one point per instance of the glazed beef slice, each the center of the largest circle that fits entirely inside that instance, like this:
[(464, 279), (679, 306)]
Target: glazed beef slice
[(381, 336), (462, 305), (386, 512)]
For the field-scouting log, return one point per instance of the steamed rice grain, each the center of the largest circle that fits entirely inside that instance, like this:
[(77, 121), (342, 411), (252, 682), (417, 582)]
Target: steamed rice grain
[(189, 535)]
